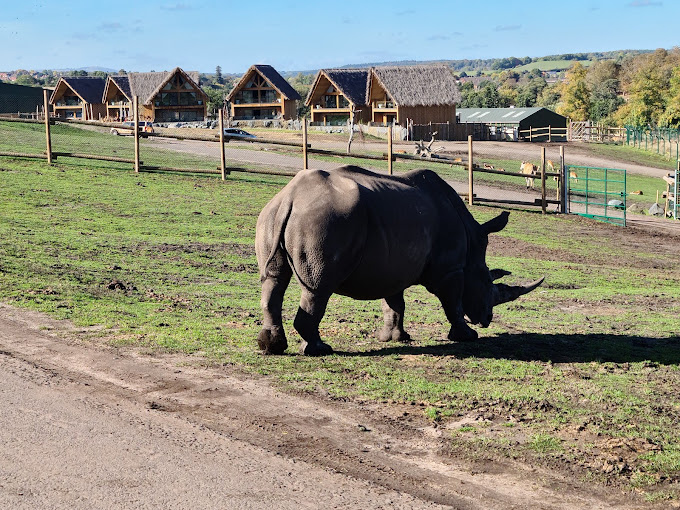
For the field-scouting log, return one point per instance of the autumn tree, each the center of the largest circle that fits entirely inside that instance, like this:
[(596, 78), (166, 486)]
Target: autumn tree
[(575, 96), (671, 114), (646, 79)]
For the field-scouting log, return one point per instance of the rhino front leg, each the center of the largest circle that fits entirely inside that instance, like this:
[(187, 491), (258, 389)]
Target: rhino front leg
[(309, 315), (272, 338), (393, 311), (450, 293)]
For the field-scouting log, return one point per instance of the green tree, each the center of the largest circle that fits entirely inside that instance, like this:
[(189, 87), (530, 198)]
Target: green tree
[(26, 79), (216, 97), (529, 91), (549, 96), (218, 76), (302, 83), (605, 100), (486, 96)]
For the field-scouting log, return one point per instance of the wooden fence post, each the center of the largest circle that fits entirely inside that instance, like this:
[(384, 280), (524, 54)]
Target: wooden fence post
[(543, 202), (135, 129), (470, 183), (564, 183), (48, 135), (549, 133), (390, 156), (305, 155), (223, 156)]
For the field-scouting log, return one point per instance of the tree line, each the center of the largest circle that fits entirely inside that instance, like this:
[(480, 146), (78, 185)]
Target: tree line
[(641, 90)]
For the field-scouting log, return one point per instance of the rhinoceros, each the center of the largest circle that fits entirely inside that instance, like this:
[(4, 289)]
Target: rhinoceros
[(365, 235)]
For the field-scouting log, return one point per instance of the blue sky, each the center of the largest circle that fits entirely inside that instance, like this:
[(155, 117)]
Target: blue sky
[(146, 35)]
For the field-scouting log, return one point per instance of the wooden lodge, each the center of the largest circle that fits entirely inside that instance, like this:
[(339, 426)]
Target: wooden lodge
[(415, 94), (262, 94), (335, 93), (167, 96), (78, 97)]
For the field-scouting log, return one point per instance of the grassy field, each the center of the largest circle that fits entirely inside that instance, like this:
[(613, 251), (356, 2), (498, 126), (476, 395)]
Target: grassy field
[(579, 375)]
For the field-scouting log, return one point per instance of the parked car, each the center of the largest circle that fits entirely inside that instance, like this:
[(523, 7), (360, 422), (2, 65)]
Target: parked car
[(145, 128), (237, 134)]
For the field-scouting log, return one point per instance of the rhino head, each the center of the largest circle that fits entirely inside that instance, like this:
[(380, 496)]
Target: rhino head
[(481, 293)]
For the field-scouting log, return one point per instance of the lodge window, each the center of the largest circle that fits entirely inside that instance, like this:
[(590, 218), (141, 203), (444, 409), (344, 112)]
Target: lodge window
[(175, 93), (257, 90)]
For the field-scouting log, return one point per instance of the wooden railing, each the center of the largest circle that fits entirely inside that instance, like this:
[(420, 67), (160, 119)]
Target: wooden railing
[(543, 134)]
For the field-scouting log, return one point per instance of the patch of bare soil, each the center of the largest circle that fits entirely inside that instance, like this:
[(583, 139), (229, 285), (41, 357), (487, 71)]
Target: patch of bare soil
[(620, 248), (389, 447)]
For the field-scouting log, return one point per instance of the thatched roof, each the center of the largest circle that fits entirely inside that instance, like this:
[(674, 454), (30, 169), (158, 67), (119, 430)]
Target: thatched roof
[(272, 76), (416, 85), (147, 85), (88, 88), (351, 83)]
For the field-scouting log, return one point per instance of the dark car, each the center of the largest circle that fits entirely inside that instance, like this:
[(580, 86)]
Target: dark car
[(237, 134)]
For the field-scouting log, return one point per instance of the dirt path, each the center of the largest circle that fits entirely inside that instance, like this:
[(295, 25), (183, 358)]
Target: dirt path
[(85, 426)]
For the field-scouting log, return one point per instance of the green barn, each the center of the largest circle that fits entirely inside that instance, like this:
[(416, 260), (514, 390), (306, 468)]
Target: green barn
[(536, 124), (20, 99)]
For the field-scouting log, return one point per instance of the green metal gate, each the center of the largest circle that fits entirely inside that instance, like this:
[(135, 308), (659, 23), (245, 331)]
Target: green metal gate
[(598, 193)]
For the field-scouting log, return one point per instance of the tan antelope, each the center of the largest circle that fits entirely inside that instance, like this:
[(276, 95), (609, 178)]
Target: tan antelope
[(528, 169), (550, 167)]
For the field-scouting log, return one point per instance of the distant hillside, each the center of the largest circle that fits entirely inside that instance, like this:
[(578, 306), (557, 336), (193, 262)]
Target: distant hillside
[(469, 66), (89, 69), (550, 65)]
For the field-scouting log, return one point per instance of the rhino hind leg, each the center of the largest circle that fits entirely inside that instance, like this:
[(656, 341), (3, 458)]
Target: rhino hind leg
[(393, 311), (307, 320), (272, 338)]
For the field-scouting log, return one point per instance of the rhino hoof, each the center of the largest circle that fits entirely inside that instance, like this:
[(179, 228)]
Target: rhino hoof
[(463, 333), (271, 342), (315, 349)]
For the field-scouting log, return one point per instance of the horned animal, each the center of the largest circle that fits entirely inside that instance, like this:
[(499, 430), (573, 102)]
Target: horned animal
[(365, 235)]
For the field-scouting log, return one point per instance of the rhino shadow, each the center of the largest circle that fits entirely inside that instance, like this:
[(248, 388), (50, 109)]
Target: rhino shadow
[(581, 348)]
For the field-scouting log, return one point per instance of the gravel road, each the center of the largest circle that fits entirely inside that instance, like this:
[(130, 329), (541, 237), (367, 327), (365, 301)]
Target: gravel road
[(85, 426)]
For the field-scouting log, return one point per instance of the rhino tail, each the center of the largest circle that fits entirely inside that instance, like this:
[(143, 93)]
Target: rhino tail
[(278, 231)]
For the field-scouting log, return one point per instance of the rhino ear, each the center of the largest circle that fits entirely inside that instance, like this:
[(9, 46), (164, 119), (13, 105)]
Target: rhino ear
[(496, 224), (497, 274)]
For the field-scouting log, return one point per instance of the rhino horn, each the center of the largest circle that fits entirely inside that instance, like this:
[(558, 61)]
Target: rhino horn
[(505, 293)]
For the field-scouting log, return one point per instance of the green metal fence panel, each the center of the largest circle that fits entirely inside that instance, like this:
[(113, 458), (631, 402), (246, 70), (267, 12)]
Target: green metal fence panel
[(676, 188), (598, 193), (664, 141)]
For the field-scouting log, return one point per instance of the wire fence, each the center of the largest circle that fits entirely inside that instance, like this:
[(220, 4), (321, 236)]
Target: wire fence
[(664, 141), (516, 174)]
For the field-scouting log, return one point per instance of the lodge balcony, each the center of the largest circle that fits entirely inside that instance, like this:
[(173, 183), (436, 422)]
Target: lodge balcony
[(385, 106), (68, 103), (265, 102)]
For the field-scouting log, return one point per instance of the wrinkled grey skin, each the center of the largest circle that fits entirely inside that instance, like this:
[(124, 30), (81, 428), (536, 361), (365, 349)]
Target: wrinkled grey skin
[(370, 236)]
